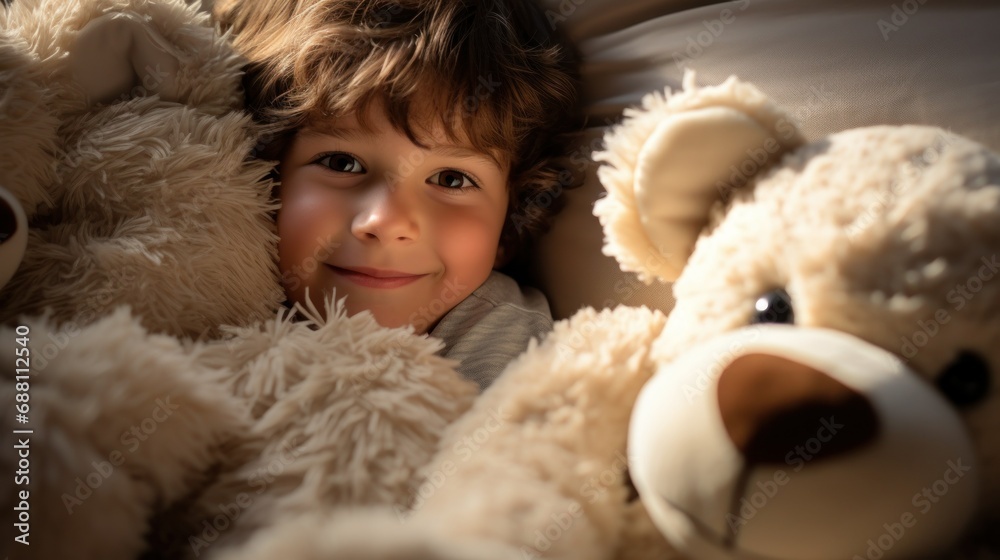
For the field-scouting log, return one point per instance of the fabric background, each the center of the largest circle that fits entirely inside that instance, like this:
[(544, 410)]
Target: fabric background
[(835, 64)]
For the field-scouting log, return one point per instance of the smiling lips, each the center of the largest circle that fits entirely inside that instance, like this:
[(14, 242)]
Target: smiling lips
[(375, 278)]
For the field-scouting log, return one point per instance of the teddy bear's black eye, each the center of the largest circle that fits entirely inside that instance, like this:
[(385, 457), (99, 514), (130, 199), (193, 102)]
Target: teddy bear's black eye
[(966, 380), (774, 307)]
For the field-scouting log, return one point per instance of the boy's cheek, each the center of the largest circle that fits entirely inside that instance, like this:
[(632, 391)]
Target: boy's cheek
[(293, 255)]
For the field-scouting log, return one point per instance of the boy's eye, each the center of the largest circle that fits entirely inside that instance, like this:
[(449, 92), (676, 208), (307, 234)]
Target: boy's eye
[(344, 163), (452, 179)]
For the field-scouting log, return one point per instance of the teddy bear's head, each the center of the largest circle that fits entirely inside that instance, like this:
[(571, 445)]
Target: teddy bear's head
[(826, 387), (124, 141)]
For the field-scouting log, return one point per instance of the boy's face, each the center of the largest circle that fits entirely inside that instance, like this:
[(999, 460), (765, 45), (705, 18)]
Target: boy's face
[(403, 231)]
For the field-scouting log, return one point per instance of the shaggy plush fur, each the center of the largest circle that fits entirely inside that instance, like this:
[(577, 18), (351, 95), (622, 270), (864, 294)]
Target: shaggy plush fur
[(343, 413), (535, 469), (201, 444)]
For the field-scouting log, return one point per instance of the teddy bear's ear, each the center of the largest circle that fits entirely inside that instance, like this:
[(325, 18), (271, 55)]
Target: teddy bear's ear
[(673, 159), (118, 52)]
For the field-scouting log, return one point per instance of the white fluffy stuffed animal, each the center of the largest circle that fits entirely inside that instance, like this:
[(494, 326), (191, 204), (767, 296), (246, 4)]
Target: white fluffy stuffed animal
[(826, 384)]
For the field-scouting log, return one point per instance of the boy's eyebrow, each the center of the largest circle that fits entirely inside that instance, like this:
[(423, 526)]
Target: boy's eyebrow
[(339, 133), (466, 153)]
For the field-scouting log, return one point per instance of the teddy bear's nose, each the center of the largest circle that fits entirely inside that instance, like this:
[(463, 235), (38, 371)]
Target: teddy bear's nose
[(772, 407)]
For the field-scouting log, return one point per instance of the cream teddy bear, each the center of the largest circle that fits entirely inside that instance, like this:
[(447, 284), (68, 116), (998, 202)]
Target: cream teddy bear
[(825, 384)]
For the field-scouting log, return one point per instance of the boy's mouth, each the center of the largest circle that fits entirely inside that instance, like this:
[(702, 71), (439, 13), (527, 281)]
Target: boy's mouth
[(374, 277)]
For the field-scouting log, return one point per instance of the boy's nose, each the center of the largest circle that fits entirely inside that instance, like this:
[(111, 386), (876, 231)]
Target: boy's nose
[(386, 216)]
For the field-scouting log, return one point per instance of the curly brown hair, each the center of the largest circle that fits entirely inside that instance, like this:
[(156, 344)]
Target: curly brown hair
[(490, 69)]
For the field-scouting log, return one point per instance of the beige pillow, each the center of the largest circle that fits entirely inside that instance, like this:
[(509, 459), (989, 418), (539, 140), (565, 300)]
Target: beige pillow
[(834, 64)]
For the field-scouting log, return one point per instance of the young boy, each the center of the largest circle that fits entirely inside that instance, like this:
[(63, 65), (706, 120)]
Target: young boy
[(414, 139)]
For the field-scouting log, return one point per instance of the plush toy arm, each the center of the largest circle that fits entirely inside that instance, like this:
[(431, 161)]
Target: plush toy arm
[(118, 53)]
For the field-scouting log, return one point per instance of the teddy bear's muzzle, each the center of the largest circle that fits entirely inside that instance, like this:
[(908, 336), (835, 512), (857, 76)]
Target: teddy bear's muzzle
[(778, 442), (769, 404)]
